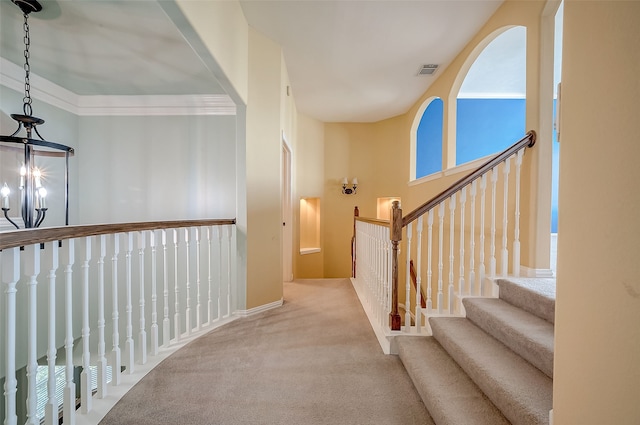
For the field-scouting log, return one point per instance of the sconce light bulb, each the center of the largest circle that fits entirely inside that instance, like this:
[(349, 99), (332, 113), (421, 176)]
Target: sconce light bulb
[(5, 191), (23, 171), (42, 192)]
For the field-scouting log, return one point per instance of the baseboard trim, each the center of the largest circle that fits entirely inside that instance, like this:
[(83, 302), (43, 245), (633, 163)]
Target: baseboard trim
[(259, 309), (529, 272)]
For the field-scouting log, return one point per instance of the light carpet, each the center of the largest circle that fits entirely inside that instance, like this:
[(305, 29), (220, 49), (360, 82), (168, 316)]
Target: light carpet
[(315, 360)]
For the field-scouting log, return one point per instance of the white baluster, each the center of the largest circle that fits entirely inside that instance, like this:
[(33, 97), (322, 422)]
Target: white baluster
[(10, 276), (154, 294), (229, 235), (188, 268), (32, 269), (166, 323), (116, 361), (69, 402), (440, 253), (472, 241), (389, 272), (102, 361), (481, 267), (419, 276), (516, 242), (85, 375), (198, 309), (129, 348), (504, 259), (452, 212), (492, 258), (210, 280), (219, 229), (429, 253), (142, 334), (176, 285), (51, 408), (407, 303), (380, 259)]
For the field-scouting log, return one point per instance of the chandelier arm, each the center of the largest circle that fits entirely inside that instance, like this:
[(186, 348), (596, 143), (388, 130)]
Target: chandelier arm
[(18, 130), (38, 133), (6, 210), (42, 212)]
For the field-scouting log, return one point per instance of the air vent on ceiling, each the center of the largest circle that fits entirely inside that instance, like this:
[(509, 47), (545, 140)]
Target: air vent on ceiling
[(427, 69)]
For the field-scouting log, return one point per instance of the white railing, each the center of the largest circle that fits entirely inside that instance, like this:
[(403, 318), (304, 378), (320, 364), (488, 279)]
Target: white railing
[(483, 206), (60, 305), (373, 251)]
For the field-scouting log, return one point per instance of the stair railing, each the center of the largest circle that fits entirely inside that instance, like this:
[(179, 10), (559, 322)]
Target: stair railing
[(156, 268), (465, 270)]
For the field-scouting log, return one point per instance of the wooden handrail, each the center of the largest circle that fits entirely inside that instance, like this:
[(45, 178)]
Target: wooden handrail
[(25, 237), (527, 141), (373, 221)]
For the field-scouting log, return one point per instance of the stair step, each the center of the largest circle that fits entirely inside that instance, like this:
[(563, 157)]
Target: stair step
[(521, 391), (448, 393), (535, 295), (529, 336)]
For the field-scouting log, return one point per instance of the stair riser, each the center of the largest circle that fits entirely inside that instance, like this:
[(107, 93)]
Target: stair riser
[(528, 336)]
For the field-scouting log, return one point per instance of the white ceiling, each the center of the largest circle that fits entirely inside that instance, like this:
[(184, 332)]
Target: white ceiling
[(353, 61), (358, 60)]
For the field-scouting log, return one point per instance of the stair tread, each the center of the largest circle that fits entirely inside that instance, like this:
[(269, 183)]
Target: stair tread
[(535, 295), (449, 394), (528, 335), (521, 391)]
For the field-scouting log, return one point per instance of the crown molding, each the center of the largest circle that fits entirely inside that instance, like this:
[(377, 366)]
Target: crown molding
[(12, 77)]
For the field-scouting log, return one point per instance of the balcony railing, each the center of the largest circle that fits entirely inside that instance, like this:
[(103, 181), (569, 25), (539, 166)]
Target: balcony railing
[(115, 296), (458, 239)]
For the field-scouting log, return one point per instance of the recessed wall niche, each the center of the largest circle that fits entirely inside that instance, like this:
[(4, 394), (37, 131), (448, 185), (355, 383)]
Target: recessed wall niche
[(309, 225), (384, 207)]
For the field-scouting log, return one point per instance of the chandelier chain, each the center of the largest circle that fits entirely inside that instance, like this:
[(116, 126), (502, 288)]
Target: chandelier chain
[(26, 107)]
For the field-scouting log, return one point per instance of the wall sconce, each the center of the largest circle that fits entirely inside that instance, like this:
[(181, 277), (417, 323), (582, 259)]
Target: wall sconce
[(349, 190)]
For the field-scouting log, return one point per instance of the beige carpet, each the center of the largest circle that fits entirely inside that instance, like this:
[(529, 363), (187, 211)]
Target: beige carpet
[(313, 361)]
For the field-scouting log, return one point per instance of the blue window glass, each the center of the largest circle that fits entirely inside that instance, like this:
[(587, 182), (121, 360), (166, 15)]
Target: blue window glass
[(487, 126), (429, 140)]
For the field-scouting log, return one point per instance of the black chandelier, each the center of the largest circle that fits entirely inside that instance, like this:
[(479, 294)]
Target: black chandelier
[(32, 192)]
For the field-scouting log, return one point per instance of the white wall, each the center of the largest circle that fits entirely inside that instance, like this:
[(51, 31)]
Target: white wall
[(156, 168)]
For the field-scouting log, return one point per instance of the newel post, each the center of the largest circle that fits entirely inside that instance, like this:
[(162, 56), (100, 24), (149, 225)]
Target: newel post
[(356, 214), (396, 237)]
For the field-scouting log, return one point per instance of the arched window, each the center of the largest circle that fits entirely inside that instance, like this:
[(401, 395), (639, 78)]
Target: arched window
[(491, 103), (429, 140)]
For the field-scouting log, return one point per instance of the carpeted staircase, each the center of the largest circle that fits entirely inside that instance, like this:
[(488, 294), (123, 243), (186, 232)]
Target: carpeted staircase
[(493, 367)]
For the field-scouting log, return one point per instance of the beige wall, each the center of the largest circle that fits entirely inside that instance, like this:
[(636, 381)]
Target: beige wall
[(309, 183), (224, 30), (379, 153), (254, 68), (365, 151), (264, 144), (597, 367)]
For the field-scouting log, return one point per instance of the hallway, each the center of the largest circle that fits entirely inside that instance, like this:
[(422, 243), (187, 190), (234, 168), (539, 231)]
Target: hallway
[(313, 361)]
